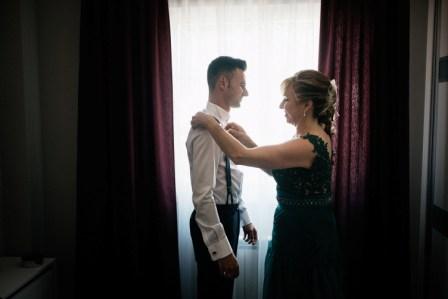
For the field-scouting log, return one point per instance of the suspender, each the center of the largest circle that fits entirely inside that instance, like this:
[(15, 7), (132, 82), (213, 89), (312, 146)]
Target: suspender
[(228, 177), (228, 181)]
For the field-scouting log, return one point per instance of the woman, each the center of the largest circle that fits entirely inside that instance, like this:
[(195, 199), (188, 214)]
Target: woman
[(303, 258)]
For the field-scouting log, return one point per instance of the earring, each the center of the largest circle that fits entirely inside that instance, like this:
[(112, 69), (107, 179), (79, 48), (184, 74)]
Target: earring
[(304, 113)]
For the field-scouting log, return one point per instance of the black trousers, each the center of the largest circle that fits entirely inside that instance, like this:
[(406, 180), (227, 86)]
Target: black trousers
[(211, 284)]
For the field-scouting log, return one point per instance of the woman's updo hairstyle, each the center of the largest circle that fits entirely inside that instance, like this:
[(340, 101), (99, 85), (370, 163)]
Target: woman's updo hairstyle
[(311, 85)]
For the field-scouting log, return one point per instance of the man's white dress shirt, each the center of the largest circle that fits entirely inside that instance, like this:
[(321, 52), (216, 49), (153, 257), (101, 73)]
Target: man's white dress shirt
[(208, 182)]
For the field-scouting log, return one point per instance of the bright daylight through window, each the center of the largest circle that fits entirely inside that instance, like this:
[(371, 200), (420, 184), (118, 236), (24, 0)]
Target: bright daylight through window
[(277, 39)]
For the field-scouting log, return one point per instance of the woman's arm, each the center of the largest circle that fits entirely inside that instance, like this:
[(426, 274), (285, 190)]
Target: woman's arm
[(294, 153), (239, 133)]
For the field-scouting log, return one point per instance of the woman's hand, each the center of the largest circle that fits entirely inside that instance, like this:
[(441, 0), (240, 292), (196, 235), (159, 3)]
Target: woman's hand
[(201, 120), (239, 133)]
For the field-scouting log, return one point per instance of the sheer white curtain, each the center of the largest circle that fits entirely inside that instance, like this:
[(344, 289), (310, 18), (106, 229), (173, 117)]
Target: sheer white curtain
[(276, 38)]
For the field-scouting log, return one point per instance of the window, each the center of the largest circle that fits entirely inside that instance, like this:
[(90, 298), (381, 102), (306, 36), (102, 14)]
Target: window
[(277, 39)]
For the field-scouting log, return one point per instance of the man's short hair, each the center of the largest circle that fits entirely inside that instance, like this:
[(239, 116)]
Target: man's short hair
[(223, 65)]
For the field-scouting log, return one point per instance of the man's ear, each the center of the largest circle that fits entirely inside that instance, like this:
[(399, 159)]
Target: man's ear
[(223, 82)]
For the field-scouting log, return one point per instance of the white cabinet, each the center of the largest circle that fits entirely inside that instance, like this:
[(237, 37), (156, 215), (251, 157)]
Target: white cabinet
[(17, 282)]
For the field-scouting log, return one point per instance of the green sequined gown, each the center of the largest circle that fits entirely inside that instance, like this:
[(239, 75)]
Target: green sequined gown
[(303, 258)]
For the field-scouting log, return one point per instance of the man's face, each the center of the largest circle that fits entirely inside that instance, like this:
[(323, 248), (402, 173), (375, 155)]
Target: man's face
[(236, 89)]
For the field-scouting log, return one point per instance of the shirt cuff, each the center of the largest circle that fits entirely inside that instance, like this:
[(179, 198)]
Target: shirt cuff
[(245, 218), (220, 249)]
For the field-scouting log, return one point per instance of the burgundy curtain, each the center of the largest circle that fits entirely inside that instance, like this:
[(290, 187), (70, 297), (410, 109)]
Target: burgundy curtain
[(364, 45), (126, 207)]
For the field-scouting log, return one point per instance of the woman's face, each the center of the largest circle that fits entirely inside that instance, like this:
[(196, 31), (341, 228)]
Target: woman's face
[(293, 108)]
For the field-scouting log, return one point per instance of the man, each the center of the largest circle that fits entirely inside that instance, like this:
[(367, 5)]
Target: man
[(216, 184)]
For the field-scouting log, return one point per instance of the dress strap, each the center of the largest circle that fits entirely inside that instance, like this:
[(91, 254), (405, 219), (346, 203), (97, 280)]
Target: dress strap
[(320, 146)]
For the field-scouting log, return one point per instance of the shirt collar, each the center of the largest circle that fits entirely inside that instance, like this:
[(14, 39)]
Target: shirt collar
[(222, 115)]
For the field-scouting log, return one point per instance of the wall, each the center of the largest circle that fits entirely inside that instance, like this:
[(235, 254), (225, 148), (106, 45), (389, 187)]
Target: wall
[(417, 168), (438, 274), (38, 117), (59, 60), (20, 130), (429, 247), (1, 209)]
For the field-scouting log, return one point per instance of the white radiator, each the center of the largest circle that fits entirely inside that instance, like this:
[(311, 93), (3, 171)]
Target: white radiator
[(249, 284)]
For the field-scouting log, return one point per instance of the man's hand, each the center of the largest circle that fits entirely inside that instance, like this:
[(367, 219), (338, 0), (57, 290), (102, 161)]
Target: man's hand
[(228, 266), (250, 234)]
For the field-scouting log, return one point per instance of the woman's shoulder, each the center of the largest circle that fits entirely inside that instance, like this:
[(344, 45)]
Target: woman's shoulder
[(316, 135), (320, 140)]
